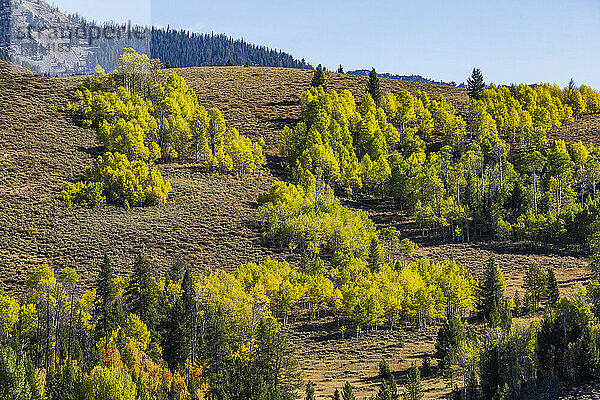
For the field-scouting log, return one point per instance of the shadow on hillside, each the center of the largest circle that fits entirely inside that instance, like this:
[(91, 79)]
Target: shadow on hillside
[(93, 151), (386, 213), (284, 103), (280, 123), (275, 164)]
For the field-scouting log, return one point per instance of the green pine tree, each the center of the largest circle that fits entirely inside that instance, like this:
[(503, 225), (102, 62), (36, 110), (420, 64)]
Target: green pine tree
[(347, 392), (374, 258), (340, 69), (319, 78), (310, 391), (174, 339), (336, 395), (191, 312), (141, 293), (490, 371), (552, 287), (107, 308), (229, 63), (492, 294), (426, 366), (449, 337), (475, 85), (384, 370), (414, 387), (373, 87)]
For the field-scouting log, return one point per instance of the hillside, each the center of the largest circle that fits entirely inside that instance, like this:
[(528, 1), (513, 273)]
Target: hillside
[(41, 148), (209, 219)]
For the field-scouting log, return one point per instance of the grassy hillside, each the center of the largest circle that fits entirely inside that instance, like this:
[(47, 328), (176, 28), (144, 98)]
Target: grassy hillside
[(209, 219)]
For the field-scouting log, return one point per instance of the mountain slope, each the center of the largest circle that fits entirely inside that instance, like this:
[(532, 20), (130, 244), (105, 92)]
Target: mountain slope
[(209, 218)]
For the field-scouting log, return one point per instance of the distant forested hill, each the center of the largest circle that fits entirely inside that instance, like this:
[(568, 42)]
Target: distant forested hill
[(185, 49), (409, 78), (81, 44), (180, 48)]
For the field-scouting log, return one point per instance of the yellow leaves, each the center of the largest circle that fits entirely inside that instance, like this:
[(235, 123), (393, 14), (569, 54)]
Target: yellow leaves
[(136, 330), (109, 384), (9, 314), (245, 351), (132, 182), (41, 283), (28, 319)]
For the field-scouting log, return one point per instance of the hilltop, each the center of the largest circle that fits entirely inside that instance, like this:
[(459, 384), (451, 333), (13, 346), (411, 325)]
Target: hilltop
[(410, 78)]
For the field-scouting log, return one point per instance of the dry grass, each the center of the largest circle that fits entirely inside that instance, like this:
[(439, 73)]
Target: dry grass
[(329, 361), (261, 101)]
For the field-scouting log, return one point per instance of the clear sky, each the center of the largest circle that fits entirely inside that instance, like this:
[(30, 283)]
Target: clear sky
[(512, 41)]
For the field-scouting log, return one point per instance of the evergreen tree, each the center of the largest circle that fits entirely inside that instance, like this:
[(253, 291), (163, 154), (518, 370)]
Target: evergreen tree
[(280, 377), (336, 395), (217, 350), (401, 337), (347, 392), (175, 338), (229, 63), (384, 370), (177, 269), (374, 255), (246, 65), (141, 293), (340, 69), (107, 307), (319, 78), (373, 87), (426, 367), (490, 371), (450, 335), (492, 305), (310, 391), (191, 312), (475, 85), (414, 387), (552, 287)]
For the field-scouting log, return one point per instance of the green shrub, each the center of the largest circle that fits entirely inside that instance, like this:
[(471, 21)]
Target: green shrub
[(112, 177), (85, 194)]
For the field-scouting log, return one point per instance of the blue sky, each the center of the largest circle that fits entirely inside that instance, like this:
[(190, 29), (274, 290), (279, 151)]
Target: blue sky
[(511, 41)]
